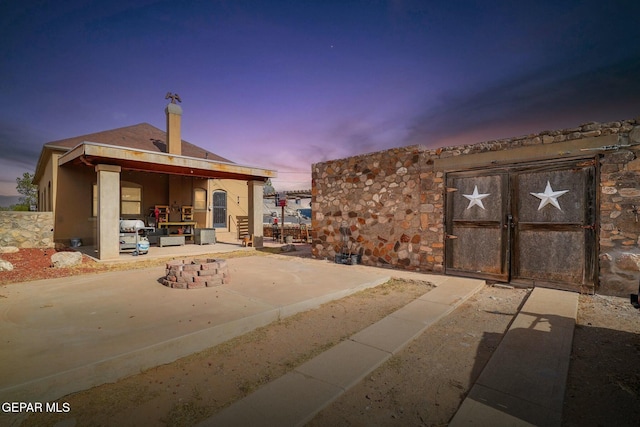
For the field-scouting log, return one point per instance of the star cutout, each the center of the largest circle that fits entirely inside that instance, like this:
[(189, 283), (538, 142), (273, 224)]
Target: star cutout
[(475, 198), (549, 197)]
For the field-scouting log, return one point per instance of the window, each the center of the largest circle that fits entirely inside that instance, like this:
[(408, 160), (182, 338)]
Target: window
[(130, 200), (199, 199), (219, 209)]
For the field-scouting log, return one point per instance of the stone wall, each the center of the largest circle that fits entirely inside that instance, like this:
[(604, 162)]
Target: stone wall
[(392, 202), (26, 229), (619, 224), (391, 205)]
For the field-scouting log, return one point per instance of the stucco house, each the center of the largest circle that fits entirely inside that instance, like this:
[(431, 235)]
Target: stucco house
[(92, 181)]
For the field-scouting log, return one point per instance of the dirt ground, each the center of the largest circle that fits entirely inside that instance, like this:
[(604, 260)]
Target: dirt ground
[(422, 385)]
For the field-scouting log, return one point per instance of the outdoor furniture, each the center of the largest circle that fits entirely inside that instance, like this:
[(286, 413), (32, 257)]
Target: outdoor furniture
[(153, 236), (297, 232), (187, 227), (247, 240), (171, 240), (304, 233), (204, 236)]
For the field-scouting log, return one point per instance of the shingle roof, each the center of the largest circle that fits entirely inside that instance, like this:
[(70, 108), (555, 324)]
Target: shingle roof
[(142, 136)]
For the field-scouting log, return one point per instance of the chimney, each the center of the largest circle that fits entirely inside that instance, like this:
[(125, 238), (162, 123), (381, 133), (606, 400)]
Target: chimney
[(174, 117)]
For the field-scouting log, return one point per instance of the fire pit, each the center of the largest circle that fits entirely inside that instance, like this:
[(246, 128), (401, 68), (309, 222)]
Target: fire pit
[(196, 273)]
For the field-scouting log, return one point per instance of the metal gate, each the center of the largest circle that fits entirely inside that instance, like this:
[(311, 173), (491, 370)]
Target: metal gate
[(532, 223)]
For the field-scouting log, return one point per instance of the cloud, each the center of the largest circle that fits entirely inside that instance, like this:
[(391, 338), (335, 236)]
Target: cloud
[(552, 95), (20, 145)]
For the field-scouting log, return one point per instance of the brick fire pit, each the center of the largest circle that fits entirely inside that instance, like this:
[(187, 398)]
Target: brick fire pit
[(196, 273)]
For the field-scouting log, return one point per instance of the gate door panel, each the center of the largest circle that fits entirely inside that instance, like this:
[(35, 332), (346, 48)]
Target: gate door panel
[(477, 236), (553, 224)]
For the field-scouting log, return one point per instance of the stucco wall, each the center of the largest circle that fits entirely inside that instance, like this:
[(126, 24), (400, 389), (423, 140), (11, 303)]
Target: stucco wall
[(393, 201), (73, 206), (26, 229)]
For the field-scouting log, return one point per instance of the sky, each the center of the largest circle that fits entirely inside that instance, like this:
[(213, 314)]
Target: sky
[(283, 84)]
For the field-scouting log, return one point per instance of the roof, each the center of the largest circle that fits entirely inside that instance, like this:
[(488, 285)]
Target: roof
[(142, 136), (142, 147)]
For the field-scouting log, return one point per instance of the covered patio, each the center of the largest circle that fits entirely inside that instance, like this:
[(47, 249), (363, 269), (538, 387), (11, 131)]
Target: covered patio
[(110, 163)]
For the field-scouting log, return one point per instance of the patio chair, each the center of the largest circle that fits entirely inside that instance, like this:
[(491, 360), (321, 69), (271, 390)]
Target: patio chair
[(247, 240)]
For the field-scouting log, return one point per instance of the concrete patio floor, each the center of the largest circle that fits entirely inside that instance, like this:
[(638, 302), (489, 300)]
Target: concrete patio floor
[(69, 334)]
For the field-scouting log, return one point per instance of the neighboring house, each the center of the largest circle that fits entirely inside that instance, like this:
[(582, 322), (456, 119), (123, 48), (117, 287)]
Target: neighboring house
[(559, 208), (90, 182)]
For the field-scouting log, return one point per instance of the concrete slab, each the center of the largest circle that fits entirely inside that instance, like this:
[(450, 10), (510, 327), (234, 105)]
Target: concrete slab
[(526, 377), (344, 365), (422, 311), (458, 289), (65, 335), (347, 363), (390, 334), (291, 400)]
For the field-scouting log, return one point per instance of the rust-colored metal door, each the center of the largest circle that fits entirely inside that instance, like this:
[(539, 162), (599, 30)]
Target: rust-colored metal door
[(533, 224), (477, 234)]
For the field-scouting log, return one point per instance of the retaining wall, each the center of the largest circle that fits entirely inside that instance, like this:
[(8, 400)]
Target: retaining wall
[(26, 229)]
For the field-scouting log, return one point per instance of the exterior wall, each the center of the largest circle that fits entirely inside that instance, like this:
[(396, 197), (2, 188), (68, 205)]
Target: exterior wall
[(73, 205), (390, 201), (393, 201), (201, 216), (237, 202), (47, 185), (26, 229), (619, 225)]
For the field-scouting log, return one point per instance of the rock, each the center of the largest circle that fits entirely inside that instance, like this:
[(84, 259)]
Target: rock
[(288, 248), (629, 262), (8, 249), (66, 259), (634, 135), (5, 265)]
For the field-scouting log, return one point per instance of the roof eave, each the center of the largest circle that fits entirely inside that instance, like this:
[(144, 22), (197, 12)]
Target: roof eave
[(161, 162)]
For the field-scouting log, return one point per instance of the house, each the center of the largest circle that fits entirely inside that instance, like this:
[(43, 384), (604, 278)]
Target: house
[(559, 208), (91, 182)]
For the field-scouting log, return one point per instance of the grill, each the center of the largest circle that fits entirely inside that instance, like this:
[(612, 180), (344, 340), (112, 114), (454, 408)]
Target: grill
[(133, 236)]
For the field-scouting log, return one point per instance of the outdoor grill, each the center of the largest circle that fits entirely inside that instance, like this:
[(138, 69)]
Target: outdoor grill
[(133, 236)]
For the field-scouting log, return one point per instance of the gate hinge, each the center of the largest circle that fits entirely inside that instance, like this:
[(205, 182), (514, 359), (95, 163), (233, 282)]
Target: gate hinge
[(451, 236), (589, 227)]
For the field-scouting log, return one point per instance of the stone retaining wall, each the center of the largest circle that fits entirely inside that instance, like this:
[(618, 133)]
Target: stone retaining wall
[(26, 229), (393, 200)]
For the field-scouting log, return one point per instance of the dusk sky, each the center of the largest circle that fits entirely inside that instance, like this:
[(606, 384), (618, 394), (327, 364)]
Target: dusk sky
[(284, 84)]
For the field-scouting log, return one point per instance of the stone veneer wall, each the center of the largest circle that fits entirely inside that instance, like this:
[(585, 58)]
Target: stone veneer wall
[(393, 202), (26, 229)]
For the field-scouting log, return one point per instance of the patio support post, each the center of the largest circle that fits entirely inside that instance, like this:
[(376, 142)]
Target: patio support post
[(256, 190), (108, 243)]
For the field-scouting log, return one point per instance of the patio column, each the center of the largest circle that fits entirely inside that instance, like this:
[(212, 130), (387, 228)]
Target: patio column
[(256, 190), (108, 244)]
